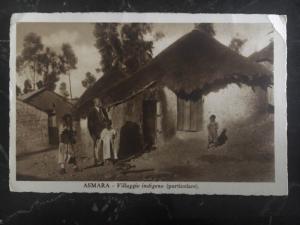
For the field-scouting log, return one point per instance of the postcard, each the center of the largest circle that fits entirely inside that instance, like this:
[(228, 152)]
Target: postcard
[(148, 103)]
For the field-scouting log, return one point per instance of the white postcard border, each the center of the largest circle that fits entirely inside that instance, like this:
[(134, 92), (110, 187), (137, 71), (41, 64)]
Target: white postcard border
[(279, 187)]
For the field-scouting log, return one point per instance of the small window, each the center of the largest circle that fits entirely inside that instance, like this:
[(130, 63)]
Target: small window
[(189, 115)]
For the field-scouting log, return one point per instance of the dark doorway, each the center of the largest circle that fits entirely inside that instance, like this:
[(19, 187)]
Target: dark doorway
[(53, 130), (149, 122), (130, 140)]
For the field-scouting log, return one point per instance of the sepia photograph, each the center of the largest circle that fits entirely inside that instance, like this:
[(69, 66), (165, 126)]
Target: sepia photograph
[(130, 101)]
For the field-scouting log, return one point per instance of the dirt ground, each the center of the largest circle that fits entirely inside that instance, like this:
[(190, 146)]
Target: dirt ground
[(248, 155)]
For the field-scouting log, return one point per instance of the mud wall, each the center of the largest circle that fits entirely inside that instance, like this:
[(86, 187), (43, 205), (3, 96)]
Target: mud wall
[(234, 104), (230, 105), (270, 93), (31, 129), (167, 119), (127, 121), (46, 99)]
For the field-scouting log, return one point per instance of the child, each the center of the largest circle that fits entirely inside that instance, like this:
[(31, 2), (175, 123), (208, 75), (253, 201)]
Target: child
[(66, 145), (107, 138), (212, 132)]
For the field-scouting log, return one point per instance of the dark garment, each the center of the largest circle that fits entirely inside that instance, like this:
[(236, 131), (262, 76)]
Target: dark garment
[(96, 122), (222, 138), (68, 136)]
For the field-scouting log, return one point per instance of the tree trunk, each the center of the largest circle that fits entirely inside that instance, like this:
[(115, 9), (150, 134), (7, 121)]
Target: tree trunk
[(70, 85), (34, 75)]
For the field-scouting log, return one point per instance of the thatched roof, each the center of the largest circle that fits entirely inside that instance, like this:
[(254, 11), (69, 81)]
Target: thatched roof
[(106, 82), (194, 65), (266, 54), (30, 95)]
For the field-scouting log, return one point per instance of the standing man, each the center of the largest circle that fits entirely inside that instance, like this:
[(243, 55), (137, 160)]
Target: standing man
[(97, 118)]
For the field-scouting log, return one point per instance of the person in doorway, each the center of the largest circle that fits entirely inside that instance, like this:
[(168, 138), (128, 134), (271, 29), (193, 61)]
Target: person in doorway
[(97, 117), (107, 139), (212, 129), (66, 153)]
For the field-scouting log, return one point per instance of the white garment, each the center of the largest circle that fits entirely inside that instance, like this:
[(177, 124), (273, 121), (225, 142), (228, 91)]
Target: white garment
[(107, 138), (65, 152)]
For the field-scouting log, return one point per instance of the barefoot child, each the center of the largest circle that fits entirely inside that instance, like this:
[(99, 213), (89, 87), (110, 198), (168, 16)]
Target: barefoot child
[(66, 145), (212, 131), (107, 138)]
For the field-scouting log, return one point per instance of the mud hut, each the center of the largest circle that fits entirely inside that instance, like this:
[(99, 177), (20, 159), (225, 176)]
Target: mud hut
[(53, 104), (165, 98), (265, 57)]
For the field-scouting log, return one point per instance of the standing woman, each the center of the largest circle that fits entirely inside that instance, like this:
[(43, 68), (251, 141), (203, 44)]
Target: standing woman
[(66, 154)]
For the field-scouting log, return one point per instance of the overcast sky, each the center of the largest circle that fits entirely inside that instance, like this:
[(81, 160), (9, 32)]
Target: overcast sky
[(80, 36)]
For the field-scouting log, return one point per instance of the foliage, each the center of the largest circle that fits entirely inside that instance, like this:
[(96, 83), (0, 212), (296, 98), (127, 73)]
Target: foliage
[(63, 89), (89, 80), (19, 64), (109, 45), (48, 67), (124, 47), (236, 44), (68, 62), (206, 27), (32, 47), (44, 62), (18, 90), (27, 86), (158, 35), (40, 84), (98, 70), (136, 50), (68, 58)]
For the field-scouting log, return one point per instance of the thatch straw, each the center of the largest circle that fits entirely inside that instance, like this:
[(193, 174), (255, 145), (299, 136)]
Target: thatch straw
[(97, 90), (193, 66), (200, 64)]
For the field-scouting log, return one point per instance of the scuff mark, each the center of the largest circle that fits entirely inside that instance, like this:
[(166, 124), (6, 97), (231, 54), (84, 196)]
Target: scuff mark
[(37, 202)]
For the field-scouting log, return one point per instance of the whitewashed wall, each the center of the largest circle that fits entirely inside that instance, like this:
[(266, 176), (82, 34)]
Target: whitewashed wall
[(234, 104)]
